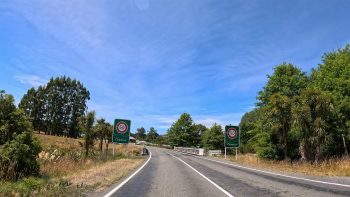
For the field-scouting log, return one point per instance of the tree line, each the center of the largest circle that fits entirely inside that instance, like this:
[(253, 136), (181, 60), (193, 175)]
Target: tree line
[(151, 135), (56, 107), (184, 132), (297, 115), (301, 116)]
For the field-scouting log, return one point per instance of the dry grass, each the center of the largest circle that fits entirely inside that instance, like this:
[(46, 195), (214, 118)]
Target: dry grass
[(67, 172), (62, 156), (49, 141), (104, 175), (332, 167)]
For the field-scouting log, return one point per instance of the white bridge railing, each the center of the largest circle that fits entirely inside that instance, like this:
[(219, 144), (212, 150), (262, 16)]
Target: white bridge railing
[(194, 151), (214, 152)]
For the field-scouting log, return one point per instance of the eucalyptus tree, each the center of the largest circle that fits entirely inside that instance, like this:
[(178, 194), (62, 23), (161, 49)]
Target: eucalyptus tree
[(55, 107)]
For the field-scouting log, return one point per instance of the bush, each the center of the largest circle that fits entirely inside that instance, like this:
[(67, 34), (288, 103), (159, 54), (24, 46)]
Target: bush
[(18, 157), (18, 148), (268, 152)]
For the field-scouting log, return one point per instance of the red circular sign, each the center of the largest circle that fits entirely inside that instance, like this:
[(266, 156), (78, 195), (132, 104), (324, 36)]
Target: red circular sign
[(232, 133), (121, 127)]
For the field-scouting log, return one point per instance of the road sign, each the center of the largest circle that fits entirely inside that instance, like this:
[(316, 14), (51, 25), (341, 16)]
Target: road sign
[(121, 131), (232, 136)]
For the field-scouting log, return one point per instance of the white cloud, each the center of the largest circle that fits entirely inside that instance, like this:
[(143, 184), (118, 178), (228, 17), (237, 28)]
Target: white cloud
[(31, 80)]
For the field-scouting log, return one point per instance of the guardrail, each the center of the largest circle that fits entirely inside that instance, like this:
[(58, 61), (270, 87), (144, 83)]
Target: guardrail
[(194, 151), (214, 152)]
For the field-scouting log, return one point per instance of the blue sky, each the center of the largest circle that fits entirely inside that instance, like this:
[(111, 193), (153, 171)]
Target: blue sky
[(150, 61)]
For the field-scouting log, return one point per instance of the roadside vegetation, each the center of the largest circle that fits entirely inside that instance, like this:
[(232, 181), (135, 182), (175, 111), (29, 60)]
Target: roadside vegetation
[(301, 120), (65, 170), (69, 154), (329, 167)]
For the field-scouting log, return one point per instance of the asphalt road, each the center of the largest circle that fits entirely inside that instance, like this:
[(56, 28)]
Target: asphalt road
[(170, 173)]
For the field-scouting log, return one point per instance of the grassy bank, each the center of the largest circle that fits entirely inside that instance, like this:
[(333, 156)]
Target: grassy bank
[(64, 169), (331, 167)]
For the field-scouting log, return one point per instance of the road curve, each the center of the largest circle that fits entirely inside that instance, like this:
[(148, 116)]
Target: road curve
[(170, 173)]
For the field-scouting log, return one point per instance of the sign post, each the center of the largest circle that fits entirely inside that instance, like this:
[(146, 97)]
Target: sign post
[(232, 138), (121, 132)]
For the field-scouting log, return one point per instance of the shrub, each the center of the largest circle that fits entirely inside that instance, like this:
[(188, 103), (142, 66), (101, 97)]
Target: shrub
[(18, 157), (18, 148)]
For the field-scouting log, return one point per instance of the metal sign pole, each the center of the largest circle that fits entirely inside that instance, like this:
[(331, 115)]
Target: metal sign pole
[(113, 149), (126, 150), (225, 143), (225, 152), (236, 153)]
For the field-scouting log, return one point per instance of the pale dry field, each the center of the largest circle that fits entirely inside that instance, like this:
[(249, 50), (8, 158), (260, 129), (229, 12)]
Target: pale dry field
[(331, 167), (106, 174)]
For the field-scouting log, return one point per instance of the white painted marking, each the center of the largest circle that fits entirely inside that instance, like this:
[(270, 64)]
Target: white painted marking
[(277, 174), (206, 178), (130, 177)]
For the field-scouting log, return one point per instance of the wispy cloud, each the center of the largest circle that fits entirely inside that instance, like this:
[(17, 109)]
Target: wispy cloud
[(139, 58), (31, 80)]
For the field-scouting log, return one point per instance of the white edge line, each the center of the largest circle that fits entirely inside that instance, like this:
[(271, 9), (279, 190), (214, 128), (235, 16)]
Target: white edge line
[(277, 174), (206, 178), (130, 177)]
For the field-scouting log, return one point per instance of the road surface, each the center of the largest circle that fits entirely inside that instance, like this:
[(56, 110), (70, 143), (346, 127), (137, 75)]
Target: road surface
[(170, 173)]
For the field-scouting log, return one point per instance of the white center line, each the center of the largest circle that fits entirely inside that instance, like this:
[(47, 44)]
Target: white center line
[(206, 178), (126, 180)]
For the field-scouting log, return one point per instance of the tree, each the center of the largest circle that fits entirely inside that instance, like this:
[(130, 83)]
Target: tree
[(313, 111), (287, 79), (18, 157), (86, 124), (18, 148), (152, 135), (279, 115), (108, 135), (140, 134), (55, 108), (161, 139), (213, 138), (199, 130), (248, 125), (7, 108), (286, 82), (182, 132), (12, 121), (333, 76), (103, 131), (28, 102)]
